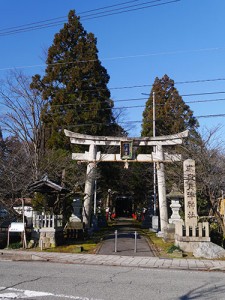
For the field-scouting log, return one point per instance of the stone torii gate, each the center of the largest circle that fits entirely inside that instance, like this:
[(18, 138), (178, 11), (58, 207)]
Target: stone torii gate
[(126, 155)]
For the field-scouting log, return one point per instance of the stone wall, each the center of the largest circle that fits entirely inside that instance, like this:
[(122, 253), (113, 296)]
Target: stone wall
[(188, 238), (50, 237)]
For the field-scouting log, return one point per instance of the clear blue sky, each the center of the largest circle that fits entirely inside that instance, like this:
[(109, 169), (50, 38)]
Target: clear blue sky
[(183, 39)]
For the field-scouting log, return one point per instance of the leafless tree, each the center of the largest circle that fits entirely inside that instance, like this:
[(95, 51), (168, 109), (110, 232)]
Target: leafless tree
[(15, 166), (21, 115), (208, 153)]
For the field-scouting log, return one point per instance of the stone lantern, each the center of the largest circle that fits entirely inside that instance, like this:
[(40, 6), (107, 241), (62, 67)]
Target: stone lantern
[(175, 196)]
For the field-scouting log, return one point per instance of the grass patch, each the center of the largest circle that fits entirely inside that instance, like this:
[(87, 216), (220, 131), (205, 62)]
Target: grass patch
[(86, 245), (160, 245), (173, 248), (163, 248), (77, 248), (16, 245), (71, 247)]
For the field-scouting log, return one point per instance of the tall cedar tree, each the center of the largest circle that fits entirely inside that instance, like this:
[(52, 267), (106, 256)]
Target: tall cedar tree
[(74, 87), (172, 114)]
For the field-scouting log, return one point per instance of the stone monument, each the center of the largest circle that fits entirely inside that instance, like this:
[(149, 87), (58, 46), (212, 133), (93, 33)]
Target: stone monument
[(190, 202), (190, 234)]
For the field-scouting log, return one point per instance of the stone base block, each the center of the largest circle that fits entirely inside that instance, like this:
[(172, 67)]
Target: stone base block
[(189, 244), (192, 238), (155, 223), (169, 233), (50, 237), (160, 234)]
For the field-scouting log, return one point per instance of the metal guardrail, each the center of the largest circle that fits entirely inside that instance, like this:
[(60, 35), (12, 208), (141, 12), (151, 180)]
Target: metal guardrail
[(116, 241)]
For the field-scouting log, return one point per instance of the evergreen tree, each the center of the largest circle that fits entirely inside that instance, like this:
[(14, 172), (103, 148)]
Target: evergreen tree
[(172, 114), (74, 87)]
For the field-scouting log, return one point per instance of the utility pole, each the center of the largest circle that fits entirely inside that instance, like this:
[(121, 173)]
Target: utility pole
[(153, 113), (154, 150), (154, 164), (95, 197)]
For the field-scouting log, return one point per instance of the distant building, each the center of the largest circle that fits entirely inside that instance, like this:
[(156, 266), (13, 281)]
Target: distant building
[(24, 205)]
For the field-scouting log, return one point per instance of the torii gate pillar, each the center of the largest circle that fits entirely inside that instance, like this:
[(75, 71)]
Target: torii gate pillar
[(89, 183), (162, 190)]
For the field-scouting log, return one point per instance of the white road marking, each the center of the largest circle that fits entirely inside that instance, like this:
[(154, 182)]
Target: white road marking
[(11, 293)]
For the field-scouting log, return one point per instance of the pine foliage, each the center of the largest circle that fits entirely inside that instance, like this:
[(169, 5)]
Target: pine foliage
[(172, 114), (74, 86)]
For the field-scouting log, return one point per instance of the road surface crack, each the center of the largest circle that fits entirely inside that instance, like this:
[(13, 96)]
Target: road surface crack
[(21, 282)]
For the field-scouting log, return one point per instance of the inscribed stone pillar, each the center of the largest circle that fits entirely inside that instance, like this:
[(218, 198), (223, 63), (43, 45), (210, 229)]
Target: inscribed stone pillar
[(190, 202), (162, 190), (89, 185)]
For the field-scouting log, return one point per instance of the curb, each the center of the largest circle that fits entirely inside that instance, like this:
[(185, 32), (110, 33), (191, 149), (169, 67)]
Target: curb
[(112, 260)]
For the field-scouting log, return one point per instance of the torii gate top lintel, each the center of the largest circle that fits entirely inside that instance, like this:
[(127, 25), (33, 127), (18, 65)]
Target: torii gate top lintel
[(83, 139)]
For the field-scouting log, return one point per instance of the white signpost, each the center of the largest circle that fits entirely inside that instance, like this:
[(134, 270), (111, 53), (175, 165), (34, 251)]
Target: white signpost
[(18, 227)]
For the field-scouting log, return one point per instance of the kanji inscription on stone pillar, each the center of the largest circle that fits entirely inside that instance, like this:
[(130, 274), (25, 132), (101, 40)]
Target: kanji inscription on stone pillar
[(190, 202)]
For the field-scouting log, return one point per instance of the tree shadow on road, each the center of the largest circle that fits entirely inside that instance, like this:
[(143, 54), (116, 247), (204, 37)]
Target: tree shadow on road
[(206, 291)]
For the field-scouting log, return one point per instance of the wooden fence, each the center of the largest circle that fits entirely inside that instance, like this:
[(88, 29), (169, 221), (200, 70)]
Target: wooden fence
[(47, 221)]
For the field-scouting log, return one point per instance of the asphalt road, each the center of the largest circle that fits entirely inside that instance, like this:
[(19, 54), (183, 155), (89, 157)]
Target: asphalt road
[(42, 280)]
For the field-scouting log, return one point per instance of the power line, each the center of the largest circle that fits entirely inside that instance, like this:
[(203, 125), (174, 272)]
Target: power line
[(52, 22), (124, 122), (201, 94), (115, 58), (124, 9), (109, 6), (134, 9), (197, 117), (129, 122), (206, 100), (186, 95), (186, 102), (141, 106), (176, 82), (211, 116), (64, 17), (130, 106), (124, 107)]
